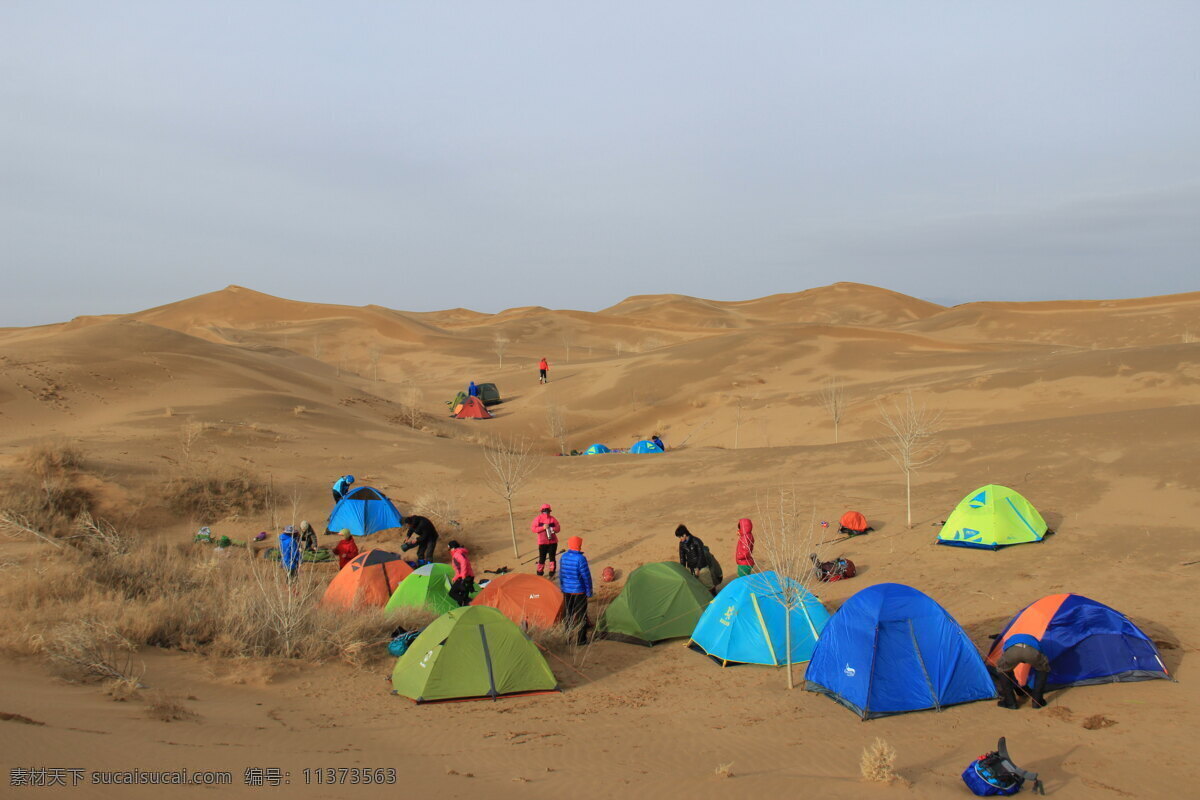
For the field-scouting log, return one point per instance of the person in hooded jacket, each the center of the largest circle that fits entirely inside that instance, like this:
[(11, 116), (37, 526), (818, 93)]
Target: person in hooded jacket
[(696, 558), (576, 584), (341, 486), (472, 390), (464, 576), (422, 535), (546, 527), (308, 537), (289, 552), (743, 552), (346, 549), (543, 369)]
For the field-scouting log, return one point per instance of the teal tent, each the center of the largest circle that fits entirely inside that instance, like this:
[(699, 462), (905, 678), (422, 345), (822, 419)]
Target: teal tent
[(596, 449)]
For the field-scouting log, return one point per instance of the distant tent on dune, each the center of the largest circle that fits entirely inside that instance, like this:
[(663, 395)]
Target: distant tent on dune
[(645, 446), (1087, 642), (367, 580), (472, 408), (992, 517), (364, 511), (596, 449), (489, 394)]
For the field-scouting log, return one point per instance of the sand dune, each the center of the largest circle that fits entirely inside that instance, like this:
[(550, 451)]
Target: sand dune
[(1089, 408)]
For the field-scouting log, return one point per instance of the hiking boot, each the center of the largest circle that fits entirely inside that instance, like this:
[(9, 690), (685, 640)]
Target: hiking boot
[(1007, 704)]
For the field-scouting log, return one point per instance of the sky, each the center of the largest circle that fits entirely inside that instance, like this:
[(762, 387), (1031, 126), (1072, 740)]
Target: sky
[(423, 155)]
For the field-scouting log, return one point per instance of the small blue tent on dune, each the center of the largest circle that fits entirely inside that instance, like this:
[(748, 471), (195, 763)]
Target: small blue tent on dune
[(891, 649), (645, 446), (748, 622), (364, 511), (596, 449)]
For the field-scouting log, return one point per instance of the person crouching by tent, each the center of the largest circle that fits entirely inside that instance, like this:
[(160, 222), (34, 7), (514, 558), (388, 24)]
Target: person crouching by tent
[(341, 486), (289, 552), (576, 585), (1021, 648), (696, 558), (346, 549), (546, 527), (543, 369), (464, 576), (308, 537), (743, 552), (421, 535), (658, 441)]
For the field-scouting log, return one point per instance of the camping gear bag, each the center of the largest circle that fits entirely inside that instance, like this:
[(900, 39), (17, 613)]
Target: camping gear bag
[(994, 774), (836, 570)]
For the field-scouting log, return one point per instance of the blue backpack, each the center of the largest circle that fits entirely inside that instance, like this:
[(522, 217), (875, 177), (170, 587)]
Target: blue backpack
[(994, 774)]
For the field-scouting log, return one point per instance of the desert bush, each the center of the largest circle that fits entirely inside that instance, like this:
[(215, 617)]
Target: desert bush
[(88, 649), (168, 708), (210, 496), (724, 770), (878, 762), (52, 458)]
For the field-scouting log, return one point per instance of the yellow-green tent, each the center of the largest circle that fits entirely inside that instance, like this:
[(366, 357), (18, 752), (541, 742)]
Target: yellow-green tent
[(991, 517)]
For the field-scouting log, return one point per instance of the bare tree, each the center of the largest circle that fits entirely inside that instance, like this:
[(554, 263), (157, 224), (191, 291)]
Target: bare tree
[(510, 463), (499, 345), (374, 354), (833, 400), (557, 424), (785, 543), (410, 402), (189, 433), (910, 439), (618, 347), (737, 422), (317, 347), (566, 336)]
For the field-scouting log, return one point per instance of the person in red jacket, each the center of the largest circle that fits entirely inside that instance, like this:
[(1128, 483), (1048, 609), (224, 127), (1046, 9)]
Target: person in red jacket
[(464, 576), (543, 368), (346, 549), (743, 553), (546, 527)]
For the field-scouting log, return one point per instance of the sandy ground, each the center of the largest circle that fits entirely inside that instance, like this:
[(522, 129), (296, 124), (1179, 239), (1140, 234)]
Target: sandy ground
[(1090, 409)]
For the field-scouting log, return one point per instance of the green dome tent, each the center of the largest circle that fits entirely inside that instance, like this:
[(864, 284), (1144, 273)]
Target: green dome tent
[(426, 587), (472, 652), (659, 601), (991, 517)]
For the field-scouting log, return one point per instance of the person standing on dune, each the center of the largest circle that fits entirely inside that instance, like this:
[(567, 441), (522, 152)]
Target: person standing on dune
[(546, 527), (346, 549), (543, 369), (289, 552), (464, 575), (341, 486), (576, 585)]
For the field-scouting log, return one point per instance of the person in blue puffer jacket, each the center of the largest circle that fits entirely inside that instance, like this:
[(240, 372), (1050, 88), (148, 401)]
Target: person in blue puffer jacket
[(575, 580), (289, 551), (341, 486)]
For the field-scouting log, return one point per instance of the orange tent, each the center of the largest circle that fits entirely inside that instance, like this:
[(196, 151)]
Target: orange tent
[(528, 600), (368, 580), (854, 521), (472, 408)]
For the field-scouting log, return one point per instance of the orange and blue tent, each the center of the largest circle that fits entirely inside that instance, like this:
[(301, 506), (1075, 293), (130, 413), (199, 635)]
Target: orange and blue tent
[(1086, 642)]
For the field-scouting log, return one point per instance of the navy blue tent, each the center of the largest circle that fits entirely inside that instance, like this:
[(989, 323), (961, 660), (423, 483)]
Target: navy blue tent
[(891, 649), (645, 446), (364, 511)]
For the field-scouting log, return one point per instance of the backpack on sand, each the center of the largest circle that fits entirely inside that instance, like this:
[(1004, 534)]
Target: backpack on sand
[(994, 774), (836, 570)]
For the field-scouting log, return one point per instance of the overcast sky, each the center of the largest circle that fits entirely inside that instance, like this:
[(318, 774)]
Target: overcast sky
[(426, 155)]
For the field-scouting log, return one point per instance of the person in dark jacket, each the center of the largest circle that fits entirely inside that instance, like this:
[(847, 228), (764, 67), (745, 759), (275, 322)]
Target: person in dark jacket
[(421, 535), (308, 537), (289, 552), (696, 559), (1021, 648), (575, 580)]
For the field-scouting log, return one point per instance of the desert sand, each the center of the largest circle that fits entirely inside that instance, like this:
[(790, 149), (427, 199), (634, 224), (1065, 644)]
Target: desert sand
[(1091, 409)]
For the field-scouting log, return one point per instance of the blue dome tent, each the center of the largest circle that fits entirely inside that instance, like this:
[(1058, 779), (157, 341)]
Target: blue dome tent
[(596, 449), (891, 649), (748, 623), (364, 511), (645, 446), (1087, 642)]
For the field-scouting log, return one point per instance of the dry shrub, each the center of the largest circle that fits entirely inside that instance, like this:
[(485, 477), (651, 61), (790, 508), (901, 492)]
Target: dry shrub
[(212, 496), (878, 762), (443, 509), (724, 770), (49, 459), (168, 708), (88, 649), (300, 411)]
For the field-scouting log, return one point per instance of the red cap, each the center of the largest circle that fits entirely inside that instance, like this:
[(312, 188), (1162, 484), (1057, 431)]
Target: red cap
[(575, 543)]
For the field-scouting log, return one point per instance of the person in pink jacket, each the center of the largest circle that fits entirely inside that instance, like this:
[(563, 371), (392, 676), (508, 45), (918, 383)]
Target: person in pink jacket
[(546, 527), (464, 576), (743, 552)]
